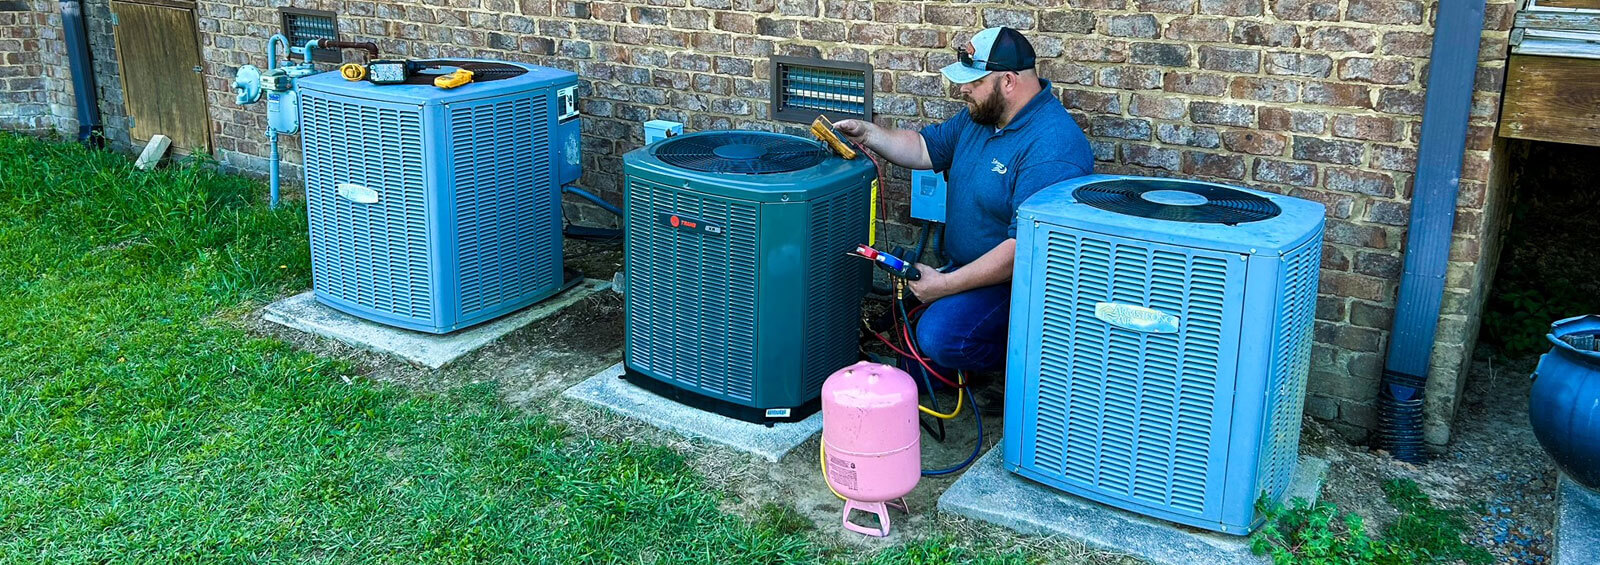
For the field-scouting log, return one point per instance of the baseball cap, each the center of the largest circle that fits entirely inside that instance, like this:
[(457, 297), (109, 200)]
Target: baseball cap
[(993, 49)]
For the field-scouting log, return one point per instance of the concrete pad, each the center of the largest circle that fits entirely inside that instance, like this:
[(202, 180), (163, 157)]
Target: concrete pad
[(304, 313), (608, 390), (990, 493), (1577, 524)]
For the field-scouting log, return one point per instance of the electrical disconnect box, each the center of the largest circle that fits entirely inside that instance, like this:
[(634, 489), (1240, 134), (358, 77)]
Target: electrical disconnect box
[(657, 130), (928, 195)]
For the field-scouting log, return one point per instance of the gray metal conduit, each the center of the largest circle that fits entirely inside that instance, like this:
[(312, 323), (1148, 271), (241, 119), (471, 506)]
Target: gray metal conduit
[(90, 130), (1433, 212)]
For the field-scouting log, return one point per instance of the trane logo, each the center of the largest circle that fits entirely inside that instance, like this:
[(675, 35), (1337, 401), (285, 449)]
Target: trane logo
[(1136, 318), (686, 223)]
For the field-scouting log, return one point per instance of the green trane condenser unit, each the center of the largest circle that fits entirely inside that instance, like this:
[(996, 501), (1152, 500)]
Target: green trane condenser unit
[(741, 299)]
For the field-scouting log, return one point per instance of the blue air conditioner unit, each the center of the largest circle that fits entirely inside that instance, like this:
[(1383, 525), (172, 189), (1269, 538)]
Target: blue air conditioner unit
[(1160, 339), (435, 209), (741, 299)]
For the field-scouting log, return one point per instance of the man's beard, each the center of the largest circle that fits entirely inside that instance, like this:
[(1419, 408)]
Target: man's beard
[(988, 112)]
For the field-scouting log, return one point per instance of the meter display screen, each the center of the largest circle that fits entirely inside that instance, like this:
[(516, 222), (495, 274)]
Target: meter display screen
[(386, 72)]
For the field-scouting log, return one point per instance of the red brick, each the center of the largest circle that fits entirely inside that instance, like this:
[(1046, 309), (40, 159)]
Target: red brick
[(898, 12), (1222, 114), (1299, 64), (1327, 151), (1097, 102), (1254, 142), (1407, 43), (1069, 21), (1369, 128), (1342, 39), (1230, 60), (1269, 35), (1264, 89), (1391, 158), (1306, 10), (1165, 6), (1286, 172), (1333, 258), (1359, 182), (1337, 94), (1157, 106), (737, 23), (1099, 4), (958, 16), (1153, 157), (1130, 78), (1195, 83), (1276, 119), (1096, 50), (1213, 165), (1394, 12), (1014, 19), (1376, 71), (872, 34), (1213, 30), (1231, 7)]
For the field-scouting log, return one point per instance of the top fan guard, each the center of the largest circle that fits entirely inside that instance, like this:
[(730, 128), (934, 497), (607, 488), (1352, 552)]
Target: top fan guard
[(754, 153), (1177, 201)]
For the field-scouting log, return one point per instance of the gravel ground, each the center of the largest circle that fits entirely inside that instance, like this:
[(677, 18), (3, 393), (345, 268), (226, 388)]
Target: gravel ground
[(1494, 467)]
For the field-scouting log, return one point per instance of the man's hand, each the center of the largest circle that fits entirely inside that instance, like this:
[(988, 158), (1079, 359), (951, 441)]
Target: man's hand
[(932, 285), (855, 130)]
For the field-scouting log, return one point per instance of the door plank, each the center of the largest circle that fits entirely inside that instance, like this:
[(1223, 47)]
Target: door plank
[(158, 48), (1552, 99)]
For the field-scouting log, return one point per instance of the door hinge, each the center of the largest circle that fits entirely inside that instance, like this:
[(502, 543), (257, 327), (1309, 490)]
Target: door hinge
[(115, 20), (131, 124)]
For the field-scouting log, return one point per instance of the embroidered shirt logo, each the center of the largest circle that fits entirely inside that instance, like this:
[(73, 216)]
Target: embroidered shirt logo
[(998, 166)]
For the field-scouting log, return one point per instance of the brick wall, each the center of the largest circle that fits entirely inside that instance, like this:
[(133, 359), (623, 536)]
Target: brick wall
[(22, 85), (56, 73), (1320, 99)]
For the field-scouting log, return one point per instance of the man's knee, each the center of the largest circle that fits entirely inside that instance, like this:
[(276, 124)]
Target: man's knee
[(937, 344)]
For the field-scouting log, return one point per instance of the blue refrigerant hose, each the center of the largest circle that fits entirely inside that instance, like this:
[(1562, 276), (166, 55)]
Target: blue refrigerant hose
[(586, 195), (976, 448)]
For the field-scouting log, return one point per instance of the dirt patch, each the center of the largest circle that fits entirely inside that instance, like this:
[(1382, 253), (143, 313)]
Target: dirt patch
[(1494, 466)]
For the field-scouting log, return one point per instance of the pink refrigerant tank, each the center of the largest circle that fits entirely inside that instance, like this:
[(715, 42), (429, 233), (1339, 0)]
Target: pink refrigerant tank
[(871, 442)]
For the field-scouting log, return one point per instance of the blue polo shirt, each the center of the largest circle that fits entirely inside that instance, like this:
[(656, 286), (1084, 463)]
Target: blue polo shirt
[(992, 172)]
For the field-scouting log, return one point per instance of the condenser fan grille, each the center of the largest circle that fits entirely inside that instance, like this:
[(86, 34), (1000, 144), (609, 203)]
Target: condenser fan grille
[(482, 71), (742, 152), (1177, 201)]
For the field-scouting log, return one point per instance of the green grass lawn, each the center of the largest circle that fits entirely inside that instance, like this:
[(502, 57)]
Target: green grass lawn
[(136, 426)]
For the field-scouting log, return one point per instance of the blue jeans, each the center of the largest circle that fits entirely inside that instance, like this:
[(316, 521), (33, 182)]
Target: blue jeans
[(966, 331)]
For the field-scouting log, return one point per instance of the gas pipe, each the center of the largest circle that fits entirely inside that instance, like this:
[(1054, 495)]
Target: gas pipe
[(872, 447)]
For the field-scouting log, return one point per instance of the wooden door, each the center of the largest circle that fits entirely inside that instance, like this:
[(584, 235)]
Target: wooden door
[(163, 83)]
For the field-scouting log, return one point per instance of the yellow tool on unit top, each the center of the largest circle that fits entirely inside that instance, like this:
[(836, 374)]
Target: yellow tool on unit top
[(454, 79), (823, 129)]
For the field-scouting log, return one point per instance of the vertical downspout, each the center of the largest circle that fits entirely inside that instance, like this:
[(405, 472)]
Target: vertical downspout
[(90, 131), (1433, 212)]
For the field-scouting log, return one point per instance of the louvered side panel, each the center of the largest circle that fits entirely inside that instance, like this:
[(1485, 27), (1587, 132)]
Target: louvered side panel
[(692, 296), (1291, 358), (504, 209), (372, 255), (835, 286), (1124, 412)]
